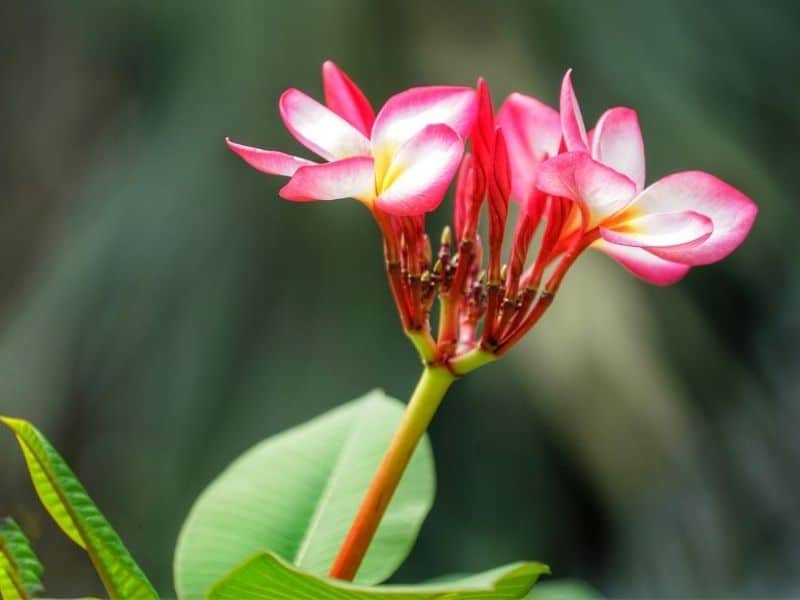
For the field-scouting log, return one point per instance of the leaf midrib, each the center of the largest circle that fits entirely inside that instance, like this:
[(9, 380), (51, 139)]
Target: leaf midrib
[(13, 576), (93, 556), (321, 503)]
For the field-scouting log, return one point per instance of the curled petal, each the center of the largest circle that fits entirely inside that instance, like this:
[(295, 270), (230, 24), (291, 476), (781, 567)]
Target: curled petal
[(731, 213), (533, 132), (463, 195), (347, 178), (320, 129), (346, 99), (407, 113), (617, 142), (572, 126), (482, 136), (643, 264), (684, 229), (268, 161), (420, 172), (574, 175)]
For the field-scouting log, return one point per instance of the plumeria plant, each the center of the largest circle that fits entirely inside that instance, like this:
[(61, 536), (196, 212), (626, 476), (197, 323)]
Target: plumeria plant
[(330, 509)]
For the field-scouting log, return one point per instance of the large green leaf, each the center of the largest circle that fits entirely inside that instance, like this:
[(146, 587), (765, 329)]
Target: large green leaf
[(70, 506), (295, 494), (267, 577), (20, 570)]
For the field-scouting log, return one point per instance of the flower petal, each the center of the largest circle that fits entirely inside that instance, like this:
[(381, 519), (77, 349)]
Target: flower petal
[(346, 99), (420, 172), (482, 136), (572, 126), (617, 142), (319, 129), (268, 161), (347, 178), (533, 132), (576, 176), (731, 212), (407, 113), (643, 264), (661, 230)]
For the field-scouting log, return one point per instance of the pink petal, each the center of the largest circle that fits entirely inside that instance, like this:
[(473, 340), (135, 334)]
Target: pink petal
[(731, 213), (268, 161), (617, 142), (319, 129), (346, 99), (483, 132), (347, 178), (576, 176), (644, 265), (572, 126), (533, 132), (420, 172), (407, 113), (659, 230)]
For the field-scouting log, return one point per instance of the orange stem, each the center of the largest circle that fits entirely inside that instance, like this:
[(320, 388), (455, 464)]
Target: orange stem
[(427, 396)]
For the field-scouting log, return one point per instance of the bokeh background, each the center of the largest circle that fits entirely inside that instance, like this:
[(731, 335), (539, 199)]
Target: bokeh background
[(162, 309)]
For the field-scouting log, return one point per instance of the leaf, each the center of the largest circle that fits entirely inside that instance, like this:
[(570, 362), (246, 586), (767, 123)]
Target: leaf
[(296, 494), (563, 590), (20, 569), (70, 506), (267, 577)]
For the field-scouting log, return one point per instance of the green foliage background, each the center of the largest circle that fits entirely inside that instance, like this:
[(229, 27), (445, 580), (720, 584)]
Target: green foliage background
[(163, 310)]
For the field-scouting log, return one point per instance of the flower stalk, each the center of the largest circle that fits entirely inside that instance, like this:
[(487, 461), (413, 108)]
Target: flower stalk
[(427, 396)]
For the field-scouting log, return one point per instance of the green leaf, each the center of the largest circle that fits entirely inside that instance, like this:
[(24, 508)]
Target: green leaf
[(20, 569), (296, 494), (563, 590), (265, 576), (70, 506)]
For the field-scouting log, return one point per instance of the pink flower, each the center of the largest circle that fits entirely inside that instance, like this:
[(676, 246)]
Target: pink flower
[(683, 220), (533, 133), (401, 161)]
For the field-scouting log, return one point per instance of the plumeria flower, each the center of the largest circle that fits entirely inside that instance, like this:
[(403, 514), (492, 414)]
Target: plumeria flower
[(532, 131), (400, 161), (682, 220)]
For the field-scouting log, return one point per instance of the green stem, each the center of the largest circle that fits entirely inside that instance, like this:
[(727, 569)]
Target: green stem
[(427, 396), (424, 343), (472, 360)]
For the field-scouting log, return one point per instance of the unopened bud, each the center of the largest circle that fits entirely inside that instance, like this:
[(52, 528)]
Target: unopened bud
[(427, 253), (447, 236)]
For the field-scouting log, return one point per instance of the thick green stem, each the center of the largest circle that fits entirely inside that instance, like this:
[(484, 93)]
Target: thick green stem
[(423, 342), (427, 396), (472, 360)]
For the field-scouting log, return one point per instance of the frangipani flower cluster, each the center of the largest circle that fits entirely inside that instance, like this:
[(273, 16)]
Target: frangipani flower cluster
[(581, 188)]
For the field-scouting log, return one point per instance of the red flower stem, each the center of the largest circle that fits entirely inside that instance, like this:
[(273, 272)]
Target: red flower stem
[(514, 305), (545, 299), (422, 406), (450, 300), (395, 279), (528, 295), (542, 304), (488, 339)]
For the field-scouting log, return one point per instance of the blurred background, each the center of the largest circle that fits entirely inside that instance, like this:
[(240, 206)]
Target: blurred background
[(163, 310)]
